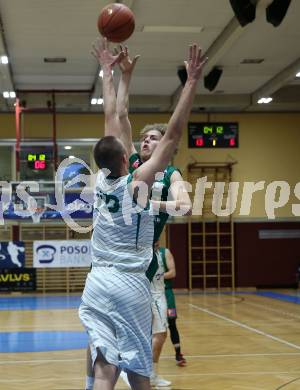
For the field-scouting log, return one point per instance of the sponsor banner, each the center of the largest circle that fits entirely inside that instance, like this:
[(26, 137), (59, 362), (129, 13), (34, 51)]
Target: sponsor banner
[(12, 254), (16, 279), (67, 253)]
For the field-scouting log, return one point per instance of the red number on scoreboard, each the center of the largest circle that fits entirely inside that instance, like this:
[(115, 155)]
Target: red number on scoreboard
[(40, 164), (199, 142)]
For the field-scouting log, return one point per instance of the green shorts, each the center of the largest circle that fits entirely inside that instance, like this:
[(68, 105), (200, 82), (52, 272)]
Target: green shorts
[(171, 304)]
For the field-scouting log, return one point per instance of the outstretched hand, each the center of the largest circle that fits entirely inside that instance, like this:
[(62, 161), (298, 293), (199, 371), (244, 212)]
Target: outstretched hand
[(103, 55), (195, 64), (126, 64)]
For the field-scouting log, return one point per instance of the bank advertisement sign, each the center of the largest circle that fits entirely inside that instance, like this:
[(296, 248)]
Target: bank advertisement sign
[(67, 253)]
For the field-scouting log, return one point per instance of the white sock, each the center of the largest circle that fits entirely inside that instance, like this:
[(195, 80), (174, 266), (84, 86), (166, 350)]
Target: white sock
[(89, 382), (155, 368)]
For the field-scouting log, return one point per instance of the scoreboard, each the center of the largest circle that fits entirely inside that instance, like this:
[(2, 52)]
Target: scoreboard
[(37, 161), (213, 135)]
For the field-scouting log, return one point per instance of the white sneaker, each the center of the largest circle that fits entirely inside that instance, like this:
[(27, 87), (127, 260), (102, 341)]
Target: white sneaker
[(157, 381), (123, 375)]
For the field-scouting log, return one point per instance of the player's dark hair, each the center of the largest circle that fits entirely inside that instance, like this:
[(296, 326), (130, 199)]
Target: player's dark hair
[(108, 153)]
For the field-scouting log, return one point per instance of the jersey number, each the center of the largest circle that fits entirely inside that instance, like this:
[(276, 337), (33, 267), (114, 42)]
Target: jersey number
[(111, 201)]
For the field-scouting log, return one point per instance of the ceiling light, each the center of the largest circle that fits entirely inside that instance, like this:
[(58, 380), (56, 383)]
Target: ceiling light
[(264, 100), (9, 94), (101, 73), (298, 75), (4, 60), (67, 147), (97, 101)]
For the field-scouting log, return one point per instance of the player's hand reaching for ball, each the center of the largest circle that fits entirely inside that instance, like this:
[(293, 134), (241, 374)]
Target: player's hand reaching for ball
[(195, 64), (104, 56), (126, 64)]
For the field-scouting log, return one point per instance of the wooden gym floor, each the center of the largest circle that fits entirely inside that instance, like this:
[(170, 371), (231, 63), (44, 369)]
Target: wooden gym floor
[(242, 341)]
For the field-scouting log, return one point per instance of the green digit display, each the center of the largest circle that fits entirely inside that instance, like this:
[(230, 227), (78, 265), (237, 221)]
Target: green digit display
[(31, 157), (220, 129), (208, 130)]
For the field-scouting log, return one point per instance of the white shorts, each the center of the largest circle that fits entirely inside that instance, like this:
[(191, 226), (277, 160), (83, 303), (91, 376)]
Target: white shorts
[(116, 313), (159, 313)]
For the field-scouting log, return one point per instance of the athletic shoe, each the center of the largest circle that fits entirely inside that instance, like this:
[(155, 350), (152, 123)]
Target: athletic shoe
[(157, 381), (123, 375), (180, 360)]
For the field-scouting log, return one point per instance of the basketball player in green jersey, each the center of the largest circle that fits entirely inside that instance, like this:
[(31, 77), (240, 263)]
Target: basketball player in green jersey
[(151, 135), (170, 273), (170, 181)]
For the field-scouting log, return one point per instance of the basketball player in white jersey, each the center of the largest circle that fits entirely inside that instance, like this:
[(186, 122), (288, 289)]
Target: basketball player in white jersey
[(159, 318), (115, 308)]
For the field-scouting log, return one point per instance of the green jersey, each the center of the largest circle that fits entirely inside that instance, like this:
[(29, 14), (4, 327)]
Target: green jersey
[(171, 303), (162, 186), (168, 282)]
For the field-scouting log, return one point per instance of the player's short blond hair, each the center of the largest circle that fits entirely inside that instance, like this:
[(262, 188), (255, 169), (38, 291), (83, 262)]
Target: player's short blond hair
[(161, 127)]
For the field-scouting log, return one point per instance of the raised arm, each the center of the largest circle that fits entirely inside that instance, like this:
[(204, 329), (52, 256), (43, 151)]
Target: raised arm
[(107, 60), (126, 66), (167, 146), (180, 197)]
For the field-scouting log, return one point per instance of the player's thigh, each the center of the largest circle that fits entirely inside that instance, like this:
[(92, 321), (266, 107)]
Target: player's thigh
[(159, 315)]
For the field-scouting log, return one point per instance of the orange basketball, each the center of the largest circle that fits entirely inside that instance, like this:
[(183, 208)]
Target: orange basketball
[(116, 22)]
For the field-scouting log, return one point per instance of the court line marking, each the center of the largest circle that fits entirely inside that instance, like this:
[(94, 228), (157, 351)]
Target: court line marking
[(21, 328), (165, 357), (251, 373), (247, 327), (249, 302), (237, 373), (233, 355), (275, 310)]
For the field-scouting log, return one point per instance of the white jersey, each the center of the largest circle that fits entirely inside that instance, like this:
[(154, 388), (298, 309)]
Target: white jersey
[(123, 233), (157, 285)]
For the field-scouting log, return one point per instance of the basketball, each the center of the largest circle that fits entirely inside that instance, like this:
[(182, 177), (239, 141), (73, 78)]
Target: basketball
[(116, 22)]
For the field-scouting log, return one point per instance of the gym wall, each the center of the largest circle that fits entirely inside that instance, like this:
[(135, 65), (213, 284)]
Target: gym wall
[(268, 151)]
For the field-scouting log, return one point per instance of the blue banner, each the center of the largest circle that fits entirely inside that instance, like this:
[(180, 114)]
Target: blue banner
[(12, 254)]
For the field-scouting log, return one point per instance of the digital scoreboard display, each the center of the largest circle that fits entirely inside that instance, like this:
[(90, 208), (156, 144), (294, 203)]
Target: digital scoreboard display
[(213, 135), (37, 161)]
